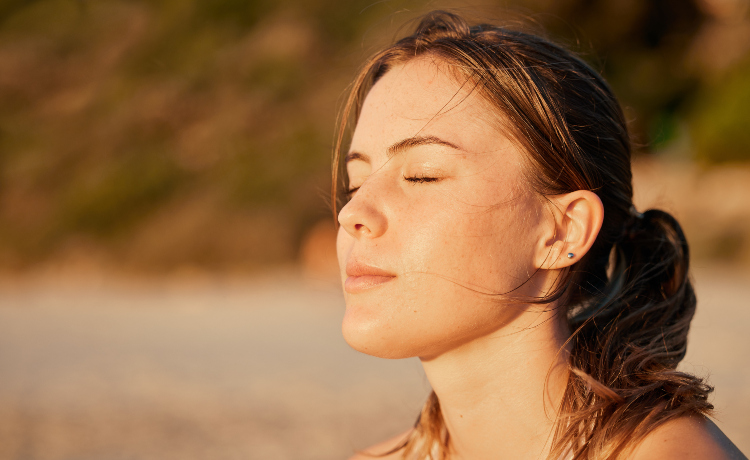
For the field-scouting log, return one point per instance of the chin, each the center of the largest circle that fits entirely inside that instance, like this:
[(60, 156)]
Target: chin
[(376, 338)]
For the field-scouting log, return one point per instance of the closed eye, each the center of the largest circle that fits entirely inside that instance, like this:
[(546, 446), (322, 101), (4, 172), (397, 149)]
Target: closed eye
[(420, 179), (350, 193)]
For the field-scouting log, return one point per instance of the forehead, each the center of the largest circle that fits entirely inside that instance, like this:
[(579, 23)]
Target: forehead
[(426, 97)]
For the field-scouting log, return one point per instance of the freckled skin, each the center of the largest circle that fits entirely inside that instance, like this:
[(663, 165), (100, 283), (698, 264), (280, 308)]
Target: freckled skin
[(474, 229)]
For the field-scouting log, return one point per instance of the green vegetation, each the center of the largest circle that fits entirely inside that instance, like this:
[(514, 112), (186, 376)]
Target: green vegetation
[(721, 118)]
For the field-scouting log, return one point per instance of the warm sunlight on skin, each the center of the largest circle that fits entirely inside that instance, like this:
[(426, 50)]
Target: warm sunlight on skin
[(442, 220), (439, 225)]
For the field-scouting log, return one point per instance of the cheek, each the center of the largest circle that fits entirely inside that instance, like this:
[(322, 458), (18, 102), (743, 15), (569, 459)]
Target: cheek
[(487, 247), (451, 263)]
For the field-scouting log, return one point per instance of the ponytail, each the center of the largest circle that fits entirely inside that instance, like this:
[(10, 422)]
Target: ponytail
[(627, 343)]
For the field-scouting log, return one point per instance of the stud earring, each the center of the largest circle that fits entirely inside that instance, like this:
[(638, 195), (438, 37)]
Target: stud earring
[(570, 255)]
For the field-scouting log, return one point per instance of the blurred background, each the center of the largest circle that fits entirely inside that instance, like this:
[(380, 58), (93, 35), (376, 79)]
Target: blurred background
[(167, 264)]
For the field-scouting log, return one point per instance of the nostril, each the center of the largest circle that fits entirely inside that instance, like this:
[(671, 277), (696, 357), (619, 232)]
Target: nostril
[(358, 227)]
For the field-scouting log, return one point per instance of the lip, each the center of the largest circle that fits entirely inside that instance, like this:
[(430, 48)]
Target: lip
[(362, 277)]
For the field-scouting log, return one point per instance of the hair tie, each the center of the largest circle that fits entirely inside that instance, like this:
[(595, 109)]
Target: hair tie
[(635, 213), (632, 224)]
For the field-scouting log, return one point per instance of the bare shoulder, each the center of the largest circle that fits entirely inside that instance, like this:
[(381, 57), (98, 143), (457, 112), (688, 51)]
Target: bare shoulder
[(690, 438), (376, 451)]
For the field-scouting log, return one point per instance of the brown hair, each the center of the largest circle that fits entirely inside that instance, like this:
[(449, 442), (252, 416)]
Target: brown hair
[(629, 300)]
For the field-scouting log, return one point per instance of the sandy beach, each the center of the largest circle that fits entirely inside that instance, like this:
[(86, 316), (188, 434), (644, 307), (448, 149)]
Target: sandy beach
[(248, 369)]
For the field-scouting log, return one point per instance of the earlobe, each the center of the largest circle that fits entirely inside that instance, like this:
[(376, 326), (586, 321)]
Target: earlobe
[(574, 223)]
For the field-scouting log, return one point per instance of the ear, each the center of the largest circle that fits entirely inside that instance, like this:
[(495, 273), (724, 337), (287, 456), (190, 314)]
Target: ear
[(573, 225)]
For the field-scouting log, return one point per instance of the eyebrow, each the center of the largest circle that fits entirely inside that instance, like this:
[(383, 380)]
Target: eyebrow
[(405, 144)]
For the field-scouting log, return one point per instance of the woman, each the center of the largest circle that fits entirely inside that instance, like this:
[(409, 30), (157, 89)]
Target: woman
[(488, 228)]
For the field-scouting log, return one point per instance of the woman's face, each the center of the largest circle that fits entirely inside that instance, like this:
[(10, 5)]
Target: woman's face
[(439, 220)]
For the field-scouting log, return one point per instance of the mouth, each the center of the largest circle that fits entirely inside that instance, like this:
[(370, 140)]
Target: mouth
[(354, 284), (363, 277)]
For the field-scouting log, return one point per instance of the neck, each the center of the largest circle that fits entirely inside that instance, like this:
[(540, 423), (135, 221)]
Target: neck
[(499, 394)]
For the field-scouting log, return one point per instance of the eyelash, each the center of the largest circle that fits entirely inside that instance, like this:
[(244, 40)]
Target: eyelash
[(412, 179), (420, 179)]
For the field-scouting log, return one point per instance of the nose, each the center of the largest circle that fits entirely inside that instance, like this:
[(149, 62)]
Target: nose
[(363, 216)]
